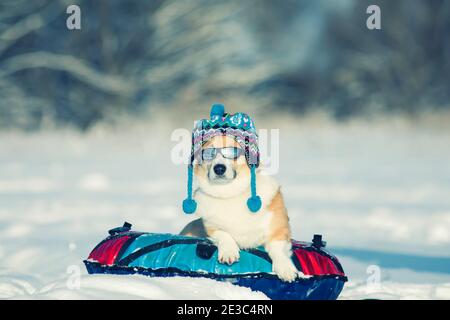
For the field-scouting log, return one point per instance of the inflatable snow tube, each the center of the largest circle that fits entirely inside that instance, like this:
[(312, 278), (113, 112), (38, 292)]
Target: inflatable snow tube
[(167, 255)]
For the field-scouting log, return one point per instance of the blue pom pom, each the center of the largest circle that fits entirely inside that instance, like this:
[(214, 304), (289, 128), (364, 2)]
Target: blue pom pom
[(189, 206), (217, 110), (254, 203)]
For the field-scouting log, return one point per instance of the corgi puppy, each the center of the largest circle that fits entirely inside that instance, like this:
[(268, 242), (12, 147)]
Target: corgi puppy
[(223, 179)]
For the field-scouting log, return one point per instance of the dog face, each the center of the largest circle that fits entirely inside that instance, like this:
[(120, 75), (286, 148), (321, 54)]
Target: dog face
[(222, 176)]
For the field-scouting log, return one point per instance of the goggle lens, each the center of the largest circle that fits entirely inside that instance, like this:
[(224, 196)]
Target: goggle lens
[(228, 153)]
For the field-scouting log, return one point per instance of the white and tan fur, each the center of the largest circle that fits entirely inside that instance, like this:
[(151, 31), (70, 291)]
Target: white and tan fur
[(226, 220)]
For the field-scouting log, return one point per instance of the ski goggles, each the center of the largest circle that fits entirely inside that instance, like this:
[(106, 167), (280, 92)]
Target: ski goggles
[(231, 153)]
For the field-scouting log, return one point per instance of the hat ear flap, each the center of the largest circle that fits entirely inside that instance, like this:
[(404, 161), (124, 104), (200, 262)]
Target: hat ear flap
[(254, 202), (189, 204)]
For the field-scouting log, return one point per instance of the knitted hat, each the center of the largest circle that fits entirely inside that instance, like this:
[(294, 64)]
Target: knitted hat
[(238, 126)]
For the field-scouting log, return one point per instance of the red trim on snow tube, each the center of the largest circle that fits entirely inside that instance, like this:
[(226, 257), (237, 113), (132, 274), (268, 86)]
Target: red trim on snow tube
[(314, 263), (106, 253)]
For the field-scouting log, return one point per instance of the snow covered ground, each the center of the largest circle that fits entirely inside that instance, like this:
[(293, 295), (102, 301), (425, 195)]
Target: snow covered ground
[(377, 191)]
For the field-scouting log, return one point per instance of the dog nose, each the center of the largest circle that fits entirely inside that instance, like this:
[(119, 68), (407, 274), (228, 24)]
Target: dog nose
[(220, 169)]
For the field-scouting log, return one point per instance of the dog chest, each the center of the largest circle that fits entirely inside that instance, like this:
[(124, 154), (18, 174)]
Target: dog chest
[(232, 215)]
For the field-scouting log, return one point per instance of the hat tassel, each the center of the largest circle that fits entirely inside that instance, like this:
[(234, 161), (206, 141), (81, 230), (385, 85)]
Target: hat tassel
[(254, 202), (189, 204)]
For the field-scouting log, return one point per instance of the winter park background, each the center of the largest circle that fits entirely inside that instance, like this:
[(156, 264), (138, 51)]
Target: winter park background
[(86, 118)]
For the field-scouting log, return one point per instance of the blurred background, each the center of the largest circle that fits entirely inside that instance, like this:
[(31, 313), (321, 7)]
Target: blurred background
[(133, 57), (86, 118)]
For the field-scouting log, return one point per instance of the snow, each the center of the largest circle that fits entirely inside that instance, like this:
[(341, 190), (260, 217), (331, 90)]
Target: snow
[(131, 287), (376, 190)]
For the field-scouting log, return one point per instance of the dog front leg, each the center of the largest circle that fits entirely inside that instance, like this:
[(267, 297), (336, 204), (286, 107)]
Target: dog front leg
[(280, 251), (226, 245)]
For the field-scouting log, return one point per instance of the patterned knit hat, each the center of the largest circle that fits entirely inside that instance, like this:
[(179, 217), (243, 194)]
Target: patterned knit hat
[(238, 126)]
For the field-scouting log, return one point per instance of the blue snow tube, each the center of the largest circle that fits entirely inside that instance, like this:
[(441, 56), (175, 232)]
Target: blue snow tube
[(167, 255)]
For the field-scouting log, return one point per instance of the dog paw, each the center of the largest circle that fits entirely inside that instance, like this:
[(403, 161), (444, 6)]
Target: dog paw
[(228, 253), (285, 270)]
